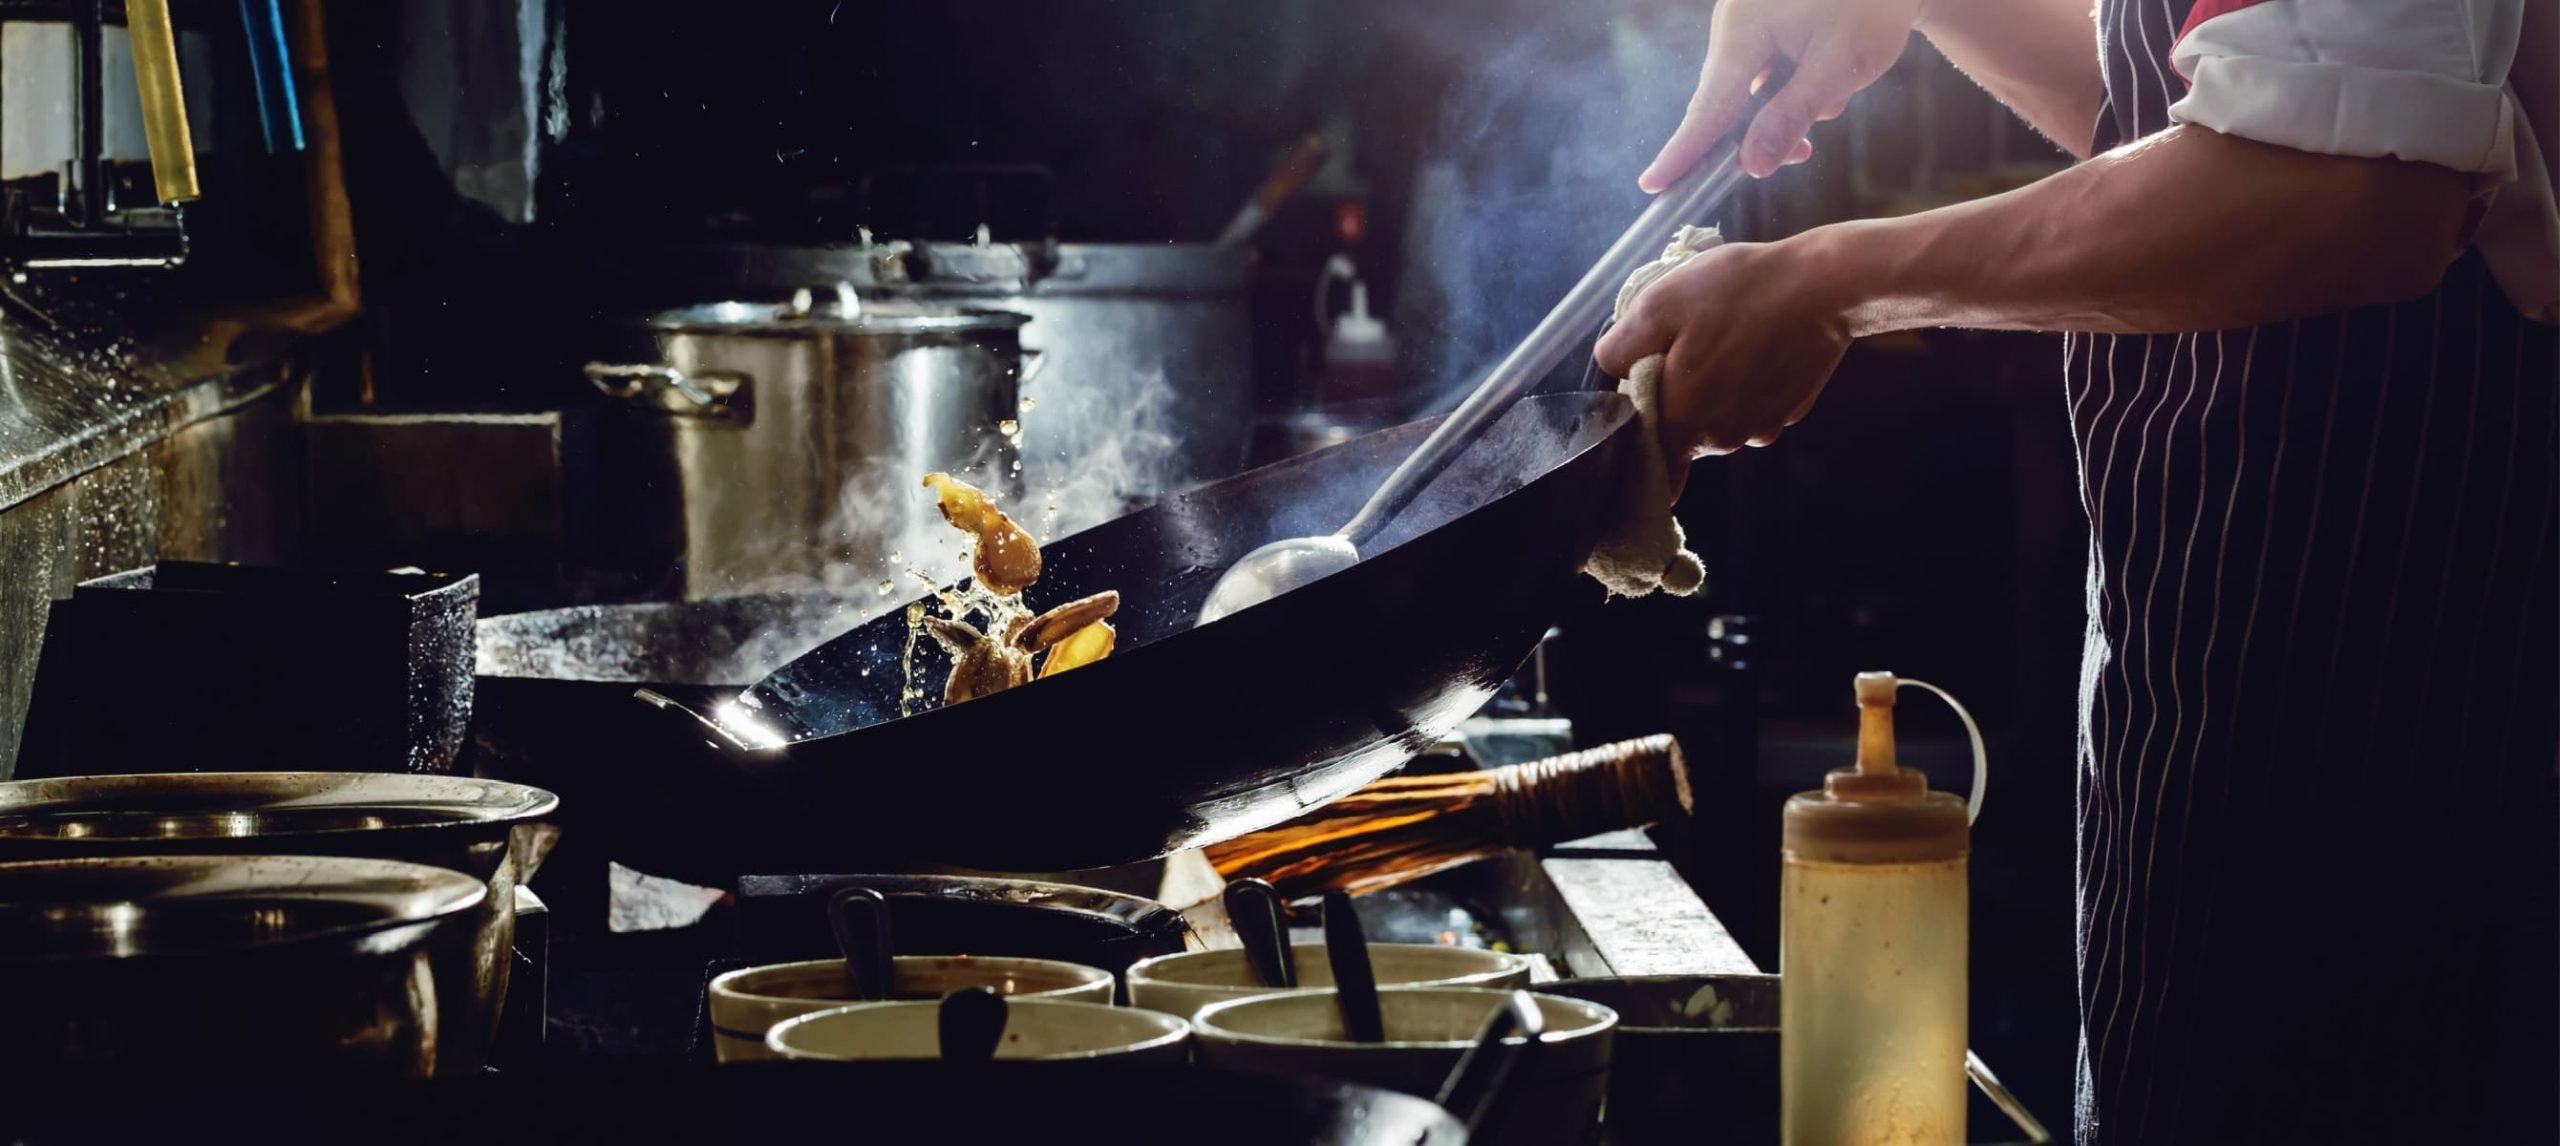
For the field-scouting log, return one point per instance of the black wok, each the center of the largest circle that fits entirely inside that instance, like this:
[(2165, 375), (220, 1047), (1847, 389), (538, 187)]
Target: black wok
[(1188, 735), (554, 709)]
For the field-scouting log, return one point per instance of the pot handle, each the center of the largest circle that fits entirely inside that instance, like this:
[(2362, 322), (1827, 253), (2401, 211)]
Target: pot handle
[(710, 394)]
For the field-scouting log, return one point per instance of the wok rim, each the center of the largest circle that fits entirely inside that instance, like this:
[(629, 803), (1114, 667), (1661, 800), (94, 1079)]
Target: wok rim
[(1616, 409)]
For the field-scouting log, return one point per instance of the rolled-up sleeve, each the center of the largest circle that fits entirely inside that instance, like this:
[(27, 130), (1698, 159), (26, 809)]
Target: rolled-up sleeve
[(2419, 80)]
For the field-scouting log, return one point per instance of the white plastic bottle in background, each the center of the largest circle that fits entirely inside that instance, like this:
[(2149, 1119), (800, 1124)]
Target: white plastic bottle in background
[(1873, 950)]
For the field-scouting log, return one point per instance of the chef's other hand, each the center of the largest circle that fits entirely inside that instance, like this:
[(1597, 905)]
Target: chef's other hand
[(1752, 333), (1837, 48)]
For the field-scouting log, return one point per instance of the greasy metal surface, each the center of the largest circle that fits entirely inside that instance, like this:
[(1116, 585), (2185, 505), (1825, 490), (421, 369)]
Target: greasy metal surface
[(1340, 681), (67, 409), (217, 490), (733, 641), (1644, 920)]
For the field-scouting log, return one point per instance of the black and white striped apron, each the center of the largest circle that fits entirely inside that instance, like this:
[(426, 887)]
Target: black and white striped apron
[(2318, 740)]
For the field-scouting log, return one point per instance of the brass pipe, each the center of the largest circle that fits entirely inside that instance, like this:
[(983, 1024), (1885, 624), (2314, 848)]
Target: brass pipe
[(333, 230), (164, 104)]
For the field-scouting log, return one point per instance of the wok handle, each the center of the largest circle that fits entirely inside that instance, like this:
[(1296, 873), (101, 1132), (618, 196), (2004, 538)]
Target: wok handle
[(719, 736), (1702, 189)]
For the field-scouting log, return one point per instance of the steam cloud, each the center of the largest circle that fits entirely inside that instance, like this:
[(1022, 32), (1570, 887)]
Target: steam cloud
[(1090, 453), (1532, 174)]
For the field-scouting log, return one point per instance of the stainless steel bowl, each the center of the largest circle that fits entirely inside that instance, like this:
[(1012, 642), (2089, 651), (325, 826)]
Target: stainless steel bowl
[(185, 962), (1697, 1055), (453, 822)]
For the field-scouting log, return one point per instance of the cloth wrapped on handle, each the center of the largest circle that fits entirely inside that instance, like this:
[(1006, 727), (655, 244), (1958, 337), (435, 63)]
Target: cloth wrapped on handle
[(1646, 549)]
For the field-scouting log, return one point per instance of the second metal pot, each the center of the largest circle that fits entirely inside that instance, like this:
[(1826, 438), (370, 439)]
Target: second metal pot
[(153, 965), (797, 433), (460, 824)]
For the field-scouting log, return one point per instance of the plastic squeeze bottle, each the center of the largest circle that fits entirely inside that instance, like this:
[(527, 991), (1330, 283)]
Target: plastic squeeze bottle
[(1872, 947)]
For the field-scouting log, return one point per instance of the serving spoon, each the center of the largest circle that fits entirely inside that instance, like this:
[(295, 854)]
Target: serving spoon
[(1290, 562), (1259, 920), (860, 918), (970, 1023), (1355, 980)]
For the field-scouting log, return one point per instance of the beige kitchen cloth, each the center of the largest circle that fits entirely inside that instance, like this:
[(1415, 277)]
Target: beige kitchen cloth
[(1646, 549)]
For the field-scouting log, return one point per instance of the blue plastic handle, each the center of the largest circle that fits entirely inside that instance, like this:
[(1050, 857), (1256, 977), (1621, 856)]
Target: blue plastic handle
[(279, 112)]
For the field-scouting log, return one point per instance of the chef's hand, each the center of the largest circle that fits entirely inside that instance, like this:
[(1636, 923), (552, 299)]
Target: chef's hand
[(1837, 48), (1752, 330)]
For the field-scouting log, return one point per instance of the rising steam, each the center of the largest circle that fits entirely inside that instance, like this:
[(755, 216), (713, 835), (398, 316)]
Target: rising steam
[(1532, 174), (1088, 454)]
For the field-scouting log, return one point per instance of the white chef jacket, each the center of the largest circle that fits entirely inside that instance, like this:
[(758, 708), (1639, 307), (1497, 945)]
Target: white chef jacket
[(2421, 80)]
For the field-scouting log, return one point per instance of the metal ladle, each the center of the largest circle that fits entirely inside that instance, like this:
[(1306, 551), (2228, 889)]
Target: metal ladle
[(1260, 921), (859, 916), (1290, 562), (1355, 980)]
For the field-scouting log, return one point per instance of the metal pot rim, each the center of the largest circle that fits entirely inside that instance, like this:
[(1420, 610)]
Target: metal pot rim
[(1138, 914), (1595, 1020), (876, 317), (399, 894), (29, 807), (1161, 1030)]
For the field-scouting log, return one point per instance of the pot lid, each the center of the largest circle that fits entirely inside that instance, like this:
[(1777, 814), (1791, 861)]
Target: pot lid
[(962, 270), (834, 309)]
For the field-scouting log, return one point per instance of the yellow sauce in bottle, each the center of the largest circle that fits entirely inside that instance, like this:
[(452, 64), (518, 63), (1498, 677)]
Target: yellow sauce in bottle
[(1872, 952)]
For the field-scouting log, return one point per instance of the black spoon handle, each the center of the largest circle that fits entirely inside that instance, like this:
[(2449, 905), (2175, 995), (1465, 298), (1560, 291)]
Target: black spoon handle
[(1355, 983), (1476, 1086), (1254, 911), (971, 1023), (860, 918)]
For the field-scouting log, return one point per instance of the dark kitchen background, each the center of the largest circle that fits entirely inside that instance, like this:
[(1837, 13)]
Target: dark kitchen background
[(529, 177), (523, 167)]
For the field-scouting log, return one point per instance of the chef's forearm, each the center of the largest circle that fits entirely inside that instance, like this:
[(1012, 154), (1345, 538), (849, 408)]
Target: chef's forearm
[(2189, 230), (2039, 57)]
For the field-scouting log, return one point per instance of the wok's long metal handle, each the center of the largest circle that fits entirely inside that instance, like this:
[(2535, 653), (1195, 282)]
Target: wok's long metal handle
[(1701, 190)]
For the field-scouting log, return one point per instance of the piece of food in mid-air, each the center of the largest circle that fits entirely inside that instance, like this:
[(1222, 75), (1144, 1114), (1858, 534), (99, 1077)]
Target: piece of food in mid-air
[(1007, 560)]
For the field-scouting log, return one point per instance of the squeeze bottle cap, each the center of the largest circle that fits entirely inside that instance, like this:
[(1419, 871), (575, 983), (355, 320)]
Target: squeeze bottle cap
[(1357, 324), (1877, 811)]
